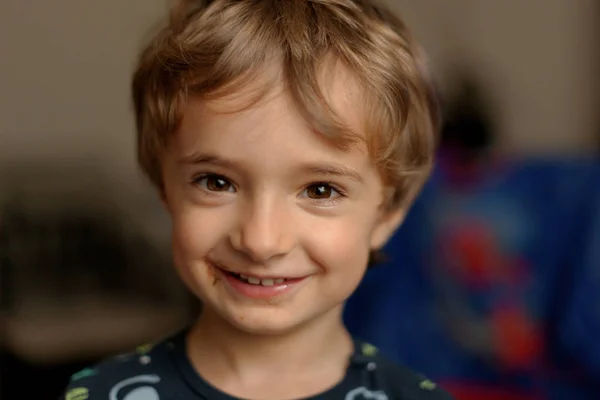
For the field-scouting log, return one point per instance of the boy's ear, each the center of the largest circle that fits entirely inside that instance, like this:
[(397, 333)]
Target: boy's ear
[(388, 223)]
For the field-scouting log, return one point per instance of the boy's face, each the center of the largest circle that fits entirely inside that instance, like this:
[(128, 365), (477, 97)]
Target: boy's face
[(258, 193)]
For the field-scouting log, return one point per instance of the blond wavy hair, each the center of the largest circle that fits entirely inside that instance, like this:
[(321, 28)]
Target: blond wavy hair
[(214, 48)]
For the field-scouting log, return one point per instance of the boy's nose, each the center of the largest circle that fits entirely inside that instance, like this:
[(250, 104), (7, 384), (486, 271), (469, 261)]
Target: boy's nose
[(265, 231)]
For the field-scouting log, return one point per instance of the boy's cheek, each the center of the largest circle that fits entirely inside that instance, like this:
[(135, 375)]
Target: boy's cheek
[(194, 233), (341, 246)]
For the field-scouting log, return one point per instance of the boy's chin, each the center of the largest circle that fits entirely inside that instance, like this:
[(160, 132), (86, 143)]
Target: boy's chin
[(276, 324), (279, 322)]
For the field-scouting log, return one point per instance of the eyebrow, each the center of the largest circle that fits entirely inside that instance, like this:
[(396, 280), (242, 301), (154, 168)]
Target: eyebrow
[(319, 168), (333, 169), (201, 158)]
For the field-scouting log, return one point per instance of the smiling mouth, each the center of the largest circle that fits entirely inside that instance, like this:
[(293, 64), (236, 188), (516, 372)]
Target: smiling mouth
[(252, 280), (257, 287)]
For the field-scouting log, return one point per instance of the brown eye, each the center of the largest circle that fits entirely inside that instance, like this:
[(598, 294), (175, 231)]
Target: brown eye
[(215, 183), (320, 191)]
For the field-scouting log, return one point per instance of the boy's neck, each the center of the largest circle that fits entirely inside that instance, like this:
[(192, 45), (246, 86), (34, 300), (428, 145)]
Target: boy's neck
[(218, 350)]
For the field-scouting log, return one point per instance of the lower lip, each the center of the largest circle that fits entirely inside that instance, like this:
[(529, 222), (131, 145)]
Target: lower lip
[(260, 291)]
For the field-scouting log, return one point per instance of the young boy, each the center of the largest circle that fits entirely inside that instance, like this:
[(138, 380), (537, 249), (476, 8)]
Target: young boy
[(287, 139)]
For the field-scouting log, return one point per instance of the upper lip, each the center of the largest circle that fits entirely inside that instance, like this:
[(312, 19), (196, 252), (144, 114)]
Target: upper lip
[(251, 275)]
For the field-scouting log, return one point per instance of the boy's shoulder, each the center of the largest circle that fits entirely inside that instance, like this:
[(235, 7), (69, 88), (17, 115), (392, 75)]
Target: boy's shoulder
[(400, 382), (144, 373)]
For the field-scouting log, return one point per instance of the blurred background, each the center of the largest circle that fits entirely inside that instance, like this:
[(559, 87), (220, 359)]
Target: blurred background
[(493, 283)]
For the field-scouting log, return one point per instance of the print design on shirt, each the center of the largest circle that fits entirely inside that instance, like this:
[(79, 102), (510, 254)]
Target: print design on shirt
[(79, 393), (139, 393), (362, 393)]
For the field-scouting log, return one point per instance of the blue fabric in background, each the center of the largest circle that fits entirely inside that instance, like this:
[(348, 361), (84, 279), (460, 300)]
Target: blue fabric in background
[(495, 283)]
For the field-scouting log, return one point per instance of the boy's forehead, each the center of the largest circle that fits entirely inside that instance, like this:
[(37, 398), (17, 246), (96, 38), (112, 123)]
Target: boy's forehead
[(275, 123), (338, 86)]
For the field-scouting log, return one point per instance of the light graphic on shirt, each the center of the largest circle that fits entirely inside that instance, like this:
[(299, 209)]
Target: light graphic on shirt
[(362, 393), (368, 350), (79, 393), (146, 392), (84, 373), (427, 385)]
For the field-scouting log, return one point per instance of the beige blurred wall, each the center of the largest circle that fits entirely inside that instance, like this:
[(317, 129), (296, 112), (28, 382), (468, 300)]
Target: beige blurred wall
[(65, 113), (539, 59), (65, 68)]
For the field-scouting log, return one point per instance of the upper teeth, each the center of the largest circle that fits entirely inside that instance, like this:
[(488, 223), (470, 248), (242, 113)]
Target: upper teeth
[(265, 282)]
